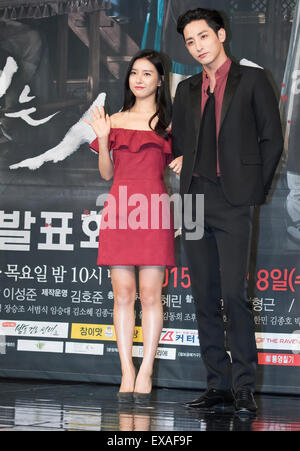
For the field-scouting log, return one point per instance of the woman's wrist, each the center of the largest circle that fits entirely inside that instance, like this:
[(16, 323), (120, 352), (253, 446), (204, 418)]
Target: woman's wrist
[(103, 138), (103, 141)]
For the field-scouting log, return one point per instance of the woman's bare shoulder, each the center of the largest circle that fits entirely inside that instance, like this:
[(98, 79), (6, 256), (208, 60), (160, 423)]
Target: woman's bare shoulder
[(118, 119)]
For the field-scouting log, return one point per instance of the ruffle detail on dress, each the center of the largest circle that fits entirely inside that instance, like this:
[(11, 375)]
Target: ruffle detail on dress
[(134, 140)]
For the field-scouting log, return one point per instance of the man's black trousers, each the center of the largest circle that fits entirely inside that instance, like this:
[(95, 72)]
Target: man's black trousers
[(218, 265)]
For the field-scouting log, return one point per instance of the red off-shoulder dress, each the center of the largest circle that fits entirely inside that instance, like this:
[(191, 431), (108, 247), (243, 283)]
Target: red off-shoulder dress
[(136, 223)]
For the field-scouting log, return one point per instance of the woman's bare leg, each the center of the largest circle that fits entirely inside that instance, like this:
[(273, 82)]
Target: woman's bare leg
[(124, 288), (150, 283)]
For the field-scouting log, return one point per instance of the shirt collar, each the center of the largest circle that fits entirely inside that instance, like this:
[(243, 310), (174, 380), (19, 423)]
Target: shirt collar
[(221, 72)]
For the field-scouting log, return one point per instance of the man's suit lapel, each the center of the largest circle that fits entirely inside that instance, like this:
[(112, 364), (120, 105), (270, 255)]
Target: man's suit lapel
[(231, 86), (196, 96), (196, 100)]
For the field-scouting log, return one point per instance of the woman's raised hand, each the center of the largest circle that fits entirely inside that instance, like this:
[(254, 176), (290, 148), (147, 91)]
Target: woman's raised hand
[(100, 122)]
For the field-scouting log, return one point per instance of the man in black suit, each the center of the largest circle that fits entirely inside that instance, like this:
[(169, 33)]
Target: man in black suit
[(227, 128)]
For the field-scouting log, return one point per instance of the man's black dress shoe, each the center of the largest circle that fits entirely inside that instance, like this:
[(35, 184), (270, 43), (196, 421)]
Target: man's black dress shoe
[(213, 399), (244, 402)]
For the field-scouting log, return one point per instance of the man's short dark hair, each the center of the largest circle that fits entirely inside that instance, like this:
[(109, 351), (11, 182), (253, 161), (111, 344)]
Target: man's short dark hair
[(211, 16)]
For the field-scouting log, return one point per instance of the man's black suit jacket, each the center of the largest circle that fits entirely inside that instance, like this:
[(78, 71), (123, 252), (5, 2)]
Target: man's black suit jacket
[(250, 140)]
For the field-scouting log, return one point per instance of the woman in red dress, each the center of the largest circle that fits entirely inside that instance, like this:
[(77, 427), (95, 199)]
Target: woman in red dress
[(136, 229)]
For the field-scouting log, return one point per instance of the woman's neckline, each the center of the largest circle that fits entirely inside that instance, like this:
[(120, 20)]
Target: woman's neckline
[(132, 129), (136, 130)]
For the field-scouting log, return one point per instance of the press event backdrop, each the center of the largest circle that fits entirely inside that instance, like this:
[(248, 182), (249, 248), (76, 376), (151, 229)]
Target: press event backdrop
[(57, 59)]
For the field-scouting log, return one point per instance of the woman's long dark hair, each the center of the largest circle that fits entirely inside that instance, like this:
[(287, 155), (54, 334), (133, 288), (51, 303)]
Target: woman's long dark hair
[(163, 96)]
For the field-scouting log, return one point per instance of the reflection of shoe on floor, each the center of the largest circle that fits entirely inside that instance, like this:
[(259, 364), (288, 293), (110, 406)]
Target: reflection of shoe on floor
[(294, 231)]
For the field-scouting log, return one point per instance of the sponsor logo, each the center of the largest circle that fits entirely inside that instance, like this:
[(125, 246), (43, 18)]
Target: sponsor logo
[(106, 332), (34, 329), (278, 341), (84, 348), (40, 346), (184, 337), (278, 359), (100, 332), (161, 353)]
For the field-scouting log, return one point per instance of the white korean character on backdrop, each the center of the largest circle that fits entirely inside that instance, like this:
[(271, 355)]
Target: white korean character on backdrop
[(96, 274), (62, 231), (269, 304), (87, 220), (41, 273), (59, 273), (31, 294), (176, 301), (12, 271), (12, 239), (26, 273), (86, 296), (97, 297)]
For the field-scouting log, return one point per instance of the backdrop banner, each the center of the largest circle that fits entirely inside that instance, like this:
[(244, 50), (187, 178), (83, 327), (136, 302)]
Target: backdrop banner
[(56, 312)]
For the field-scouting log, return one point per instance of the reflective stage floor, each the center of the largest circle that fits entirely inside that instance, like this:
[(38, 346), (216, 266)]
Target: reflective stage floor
[(43, 406)]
